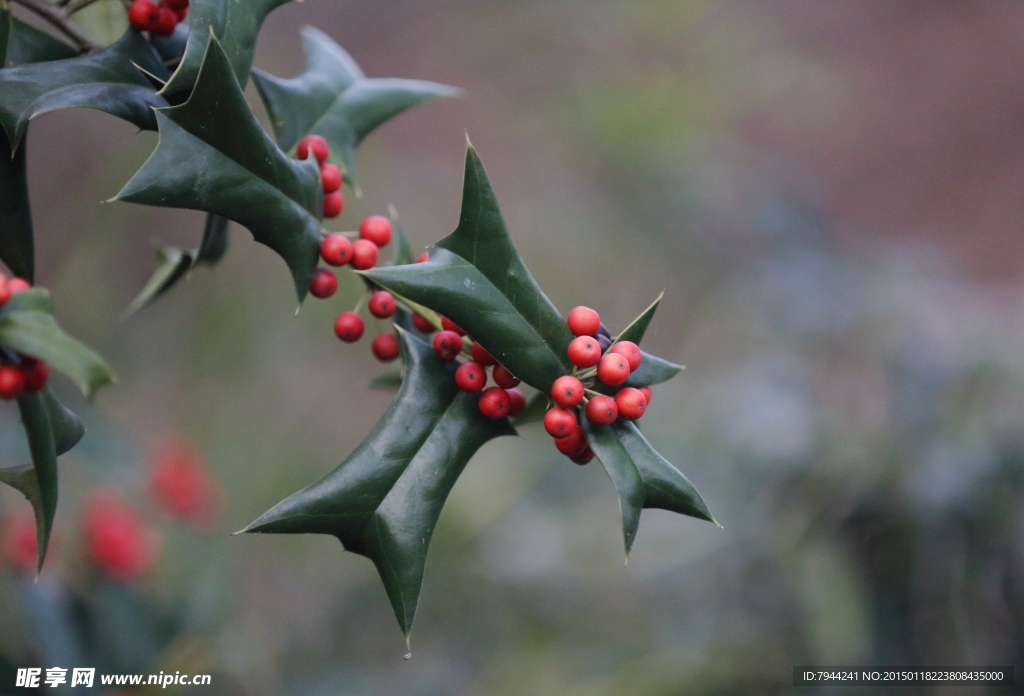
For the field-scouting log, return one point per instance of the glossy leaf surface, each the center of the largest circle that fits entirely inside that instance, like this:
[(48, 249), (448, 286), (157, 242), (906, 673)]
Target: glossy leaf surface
[(383, 501), (214, 156), (333, 98)]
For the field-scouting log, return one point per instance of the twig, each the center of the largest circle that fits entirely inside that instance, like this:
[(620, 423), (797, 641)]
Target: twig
[(59, 19)]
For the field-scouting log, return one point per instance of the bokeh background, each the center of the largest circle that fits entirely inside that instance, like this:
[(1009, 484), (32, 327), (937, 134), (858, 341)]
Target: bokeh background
[(830, 195)]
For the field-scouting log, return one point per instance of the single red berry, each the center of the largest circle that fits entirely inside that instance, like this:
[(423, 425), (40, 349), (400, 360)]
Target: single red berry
[(181, 14), (567, 391), (181, 483), (143, 15), (602, 410), (471, 377), (560, 422), (18, 285), (324, 283), (447, 344), (349, 327), (315, 144), (494, 403), (481, 355), (12, 383), (165, 23), (35, 373), (336, 249), (613, 369), (646, 391), (330, 178), (423, 257), (518, 402), (503, 378), (381, 304), (364, 254), (449, 325), (630, 351), (584, 351), (631, 403), (377, 229), (584, 457), (421, 323), (334, 203), (117, 541), (583, 321), (572, 444), (5, 289), (385, 347), (20, 543)]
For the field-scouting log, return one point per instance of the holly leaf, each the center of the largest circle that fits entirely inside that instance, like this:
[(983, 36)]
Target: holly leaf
[(236, 26), (111, 80), (52, 430), (27, 326), (333, 98), (383, 501), (652, 370), (214, 156), (476, 278), (22, 43), (642, 477)]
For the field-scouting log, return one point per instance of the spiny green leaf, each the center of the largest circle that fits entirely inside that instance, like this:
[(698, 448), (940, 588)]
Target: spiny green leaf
[(16, 244), (476, 278), (641, 476), (214, 156), (653, 370), (333, 98), (236, 25), (638, 327), (384, 500), (401, 252), (27, 326), (111, 81)]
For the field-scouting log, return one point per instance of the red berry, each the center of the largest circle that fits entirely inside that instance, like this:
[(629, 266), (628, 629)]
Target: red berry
[(336, 250), (503, 378), (572, 444), (20, 543), (330, 178), (646, 391), (494, 403), (602, 410), (584, 457), (385, 347), (381, 304), (35, 373), (333, 204), (315, 144), (481, 355), (175, 4), (377, 229), (423, 257), (117, 541), (471, 377), (5, 289), (180, 482), (630, 351), (18, 285), (181, 14), (348, 327), (165, 23), (421, 323), (567, 391), (449, 325), (518, 402), (324, 283), (613, 369), (364, 254), (631, 403), (584, 351), (447, 344), (12, 383), (560, 422), (583, 321), (143, 15)]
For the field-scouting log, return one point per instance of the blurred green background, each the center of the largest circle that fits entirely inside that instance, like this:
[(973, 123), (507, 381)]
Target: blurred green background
[(830, 195)]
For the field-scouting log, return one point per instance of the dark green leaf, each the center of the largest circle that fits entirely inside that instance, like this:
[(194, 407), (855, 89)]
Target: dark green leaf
[(642, 477), (387, 381), (214, 156), (27, 326), (235, 24), (638, 327), (384, 500), (476, 278), (653, 370), (171, 48), (16, 245), (401, 252), (21, 43), (333, 98), (215, 240), (111, 81)]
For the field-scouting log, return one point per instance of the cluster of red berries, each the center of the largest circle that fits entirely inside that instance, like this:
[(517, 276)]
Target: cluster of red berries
[(363, 253), (330, 175), (160, 20), (19, 374), (596, 359)]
